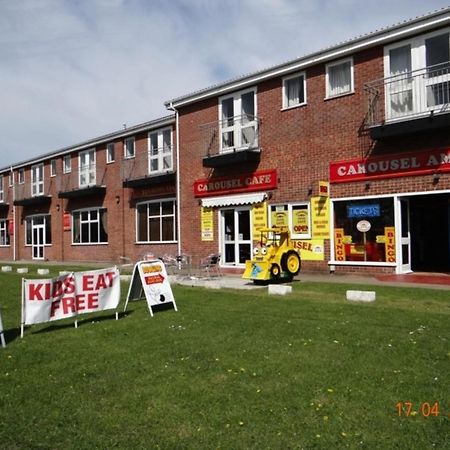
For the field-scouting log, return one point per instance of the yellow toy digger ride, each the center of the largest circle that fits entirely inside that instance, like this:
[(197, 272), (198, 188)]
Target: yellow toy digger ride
[(274, 257)]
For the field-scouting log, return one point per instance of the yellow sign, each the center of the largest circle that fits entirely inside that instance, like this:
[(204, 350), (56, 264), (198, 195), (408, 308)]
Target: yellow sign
[(300, 221), (324, 188), (389, 245), (280, 217), (311, 250), (320, 212), (259, 218), (207, 224), (381, 239), (339, 246)]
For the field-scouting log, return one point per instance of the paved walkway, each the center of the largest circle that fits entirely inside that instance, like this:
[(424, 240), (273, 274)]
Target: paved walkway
[(431, 281)]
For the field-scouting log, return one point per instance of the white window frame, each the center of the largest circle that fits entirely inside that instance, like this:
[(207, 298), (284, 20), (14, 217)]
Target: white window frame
[(2, 191), (162, 152), (418, 62), (87, 174), (284, 90), (329, 95), (127, 154), (21, 176), (53, 167), (37, 180), (110, 156), (67, 164), (238, 124), (11, 178), (174, 215), (290, 210), (31, 219), (89, 221), (4, 233)]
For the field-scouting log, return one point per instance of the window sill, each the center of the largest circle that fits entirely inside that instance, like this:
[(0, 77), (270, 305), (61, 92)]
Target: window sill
[(154, 242), (345, 94), (82, 244), (361, 263), (288, 108)]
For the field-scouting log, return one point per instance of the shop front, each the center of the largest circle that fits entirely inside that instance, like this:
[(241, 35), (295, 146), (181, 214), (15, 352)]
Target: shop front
[(406, 231)]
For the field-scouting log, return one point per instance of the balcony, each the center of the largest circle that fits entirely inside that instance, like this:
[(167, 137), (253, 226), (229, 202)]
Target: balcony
[(234, 140), (148, 169), (88, 180), (410, 102), (33, 193)]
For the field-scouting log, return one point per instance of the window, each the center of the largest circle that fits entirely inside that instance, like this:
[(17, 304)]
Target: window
[(296, 217), (160, 151), (418, 75), (356, 245), (4, 233), (90, 226), (67, 164), (21, 176), (238, 121), (155, 221), (2, 192), (339, 78), (33, 227), (53, 167), (87, 173), (11, 178), (110, 153), (129, 147), (294, 90), (37, 180)]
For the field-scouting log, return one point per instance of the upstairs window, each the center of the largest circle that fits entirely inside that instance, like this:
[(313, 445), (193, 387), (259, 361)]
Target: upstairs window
[(37, 180), (238, 121), (53, 167), (67, 164), (110, 153), (160, 151), (129, 148), (294, 90), (87, 176), (339, 78), (21, 176)]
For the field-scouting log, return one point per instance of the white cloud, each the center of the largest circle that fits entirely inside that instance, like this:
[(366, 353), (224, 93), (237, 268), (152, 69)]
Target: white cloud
[(75, 70)]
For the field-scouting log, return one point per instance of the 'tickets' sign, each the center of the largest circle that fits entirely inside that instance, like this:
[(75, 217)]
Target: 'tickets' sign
[(257, 181), (390, 166)]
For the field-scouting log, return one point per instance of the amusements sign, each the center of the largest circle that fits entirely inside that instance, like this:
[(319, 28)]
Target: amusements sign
[(70, 294), (320, 217), (150, 278), (259, 218)]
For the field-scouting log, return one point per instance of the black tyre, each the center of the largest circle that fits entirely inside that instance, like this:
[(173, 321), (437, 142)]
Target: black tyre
[(275, 271)]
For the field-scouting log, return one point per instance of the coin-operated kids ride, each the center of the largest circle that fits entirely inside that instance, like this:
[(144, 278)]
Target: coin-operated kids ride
[(274, 257)]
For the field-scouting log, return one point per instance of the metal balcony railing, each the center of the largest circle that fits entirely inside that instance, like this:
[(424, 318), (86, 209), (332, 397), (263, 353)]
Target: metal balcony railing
[(80, 179), (238, 133), (152, 163), (409, 95)]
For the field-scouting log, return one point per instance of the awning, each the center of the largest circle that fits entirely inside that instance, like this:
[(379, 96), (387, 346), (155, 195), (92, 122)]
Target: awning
[(234, 200)]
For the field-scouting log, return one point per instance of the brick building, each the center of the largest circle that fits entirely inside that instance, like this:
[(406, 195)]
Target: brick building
[(348, 146)]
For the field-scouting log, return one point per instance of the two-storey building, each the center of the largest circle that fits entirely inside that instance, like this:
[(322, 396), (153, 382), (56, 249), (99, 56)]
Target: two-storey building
[(349, 147)]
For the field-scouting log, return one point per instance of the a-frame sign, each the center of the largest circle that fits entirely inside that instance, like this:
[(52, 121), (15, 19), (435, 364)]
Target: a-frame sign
[(150, 279)]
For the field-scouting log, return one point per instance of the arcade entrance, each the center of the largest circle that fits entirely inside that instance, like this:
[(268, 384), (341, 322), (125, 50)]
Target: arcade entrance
[(429, 226)]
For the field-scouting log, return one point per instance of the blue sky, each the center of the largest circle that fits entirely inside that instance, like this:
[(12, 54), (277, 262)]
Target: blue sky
[(75, 69)]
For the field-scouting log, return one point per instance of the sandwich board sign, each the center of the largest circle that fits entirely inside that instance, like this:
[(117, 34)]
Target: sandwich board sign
[(150, 279)]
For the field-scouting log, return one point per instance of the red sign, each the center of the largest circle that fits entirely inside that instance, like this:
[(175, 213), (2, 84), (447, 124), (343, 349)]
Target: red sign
[(256, 181), (154, 279), (11, 226), (389, 166), (66, 221)]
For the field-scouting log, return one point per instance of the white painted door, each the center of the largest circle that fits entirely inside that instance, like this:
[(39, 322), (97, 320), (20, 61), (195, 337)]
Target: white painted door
[(405, 236), (38, 240), (236, 235)]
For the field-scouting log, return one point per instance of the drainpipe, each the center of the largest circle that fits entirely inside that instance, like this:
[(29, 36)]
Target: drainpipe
[(14, 216), (178, 184)]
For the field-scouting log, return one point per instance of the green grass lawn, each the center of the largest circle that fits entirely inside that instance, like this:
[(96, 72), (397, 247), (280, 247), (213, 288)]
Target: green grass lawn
[(232, 370)]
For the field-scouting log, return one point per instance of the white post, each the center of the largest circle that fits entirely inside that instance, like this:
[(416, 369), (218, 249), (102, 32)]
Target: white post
[(22, 322)]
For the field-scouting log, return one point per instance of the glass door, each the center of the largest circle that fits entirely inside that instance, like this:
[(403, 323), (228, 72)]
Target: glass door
[(236, 235), (405, 236), (38, 240)]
